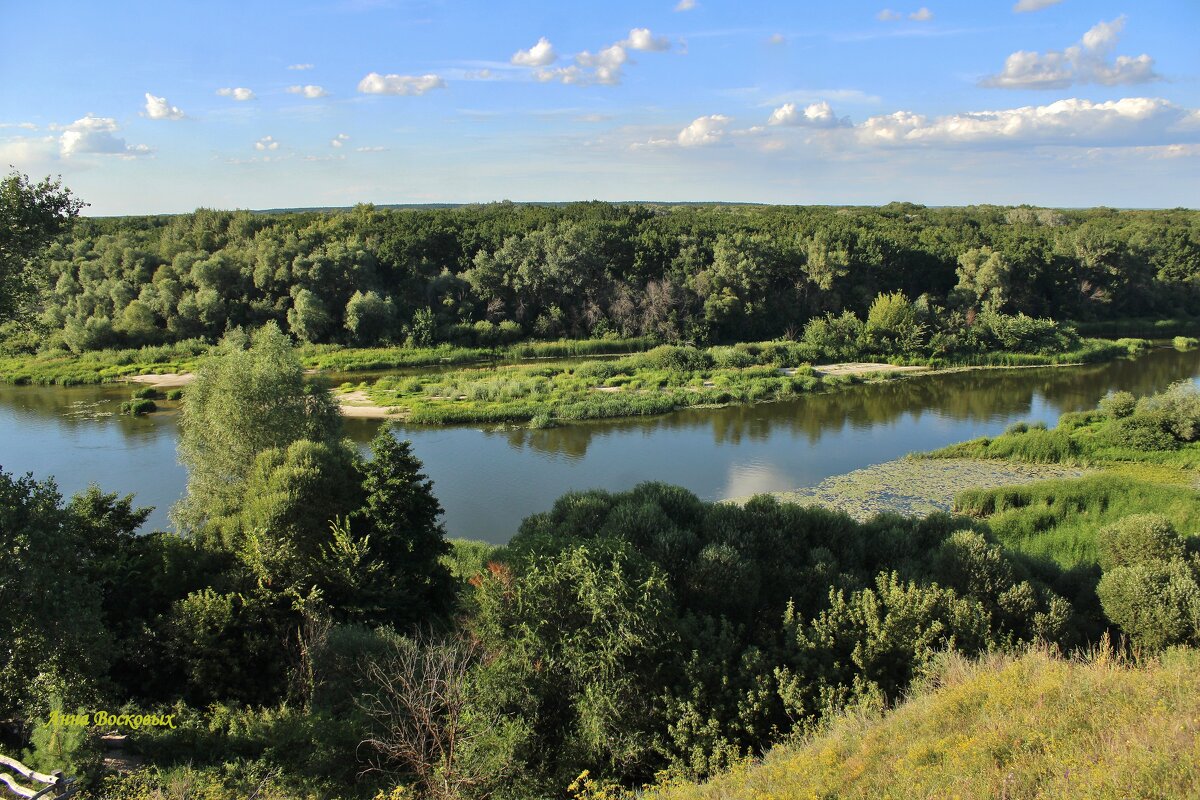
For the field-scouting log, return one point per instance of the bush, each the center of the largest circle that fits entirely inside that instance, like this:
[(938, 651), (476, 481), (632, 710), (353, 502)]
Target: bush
[(1178, 408), (146, 393), (138, 407), (679, 358), (1156, 602), (1185, 342), (1141, 432), (1116, 405), (1141, 537)]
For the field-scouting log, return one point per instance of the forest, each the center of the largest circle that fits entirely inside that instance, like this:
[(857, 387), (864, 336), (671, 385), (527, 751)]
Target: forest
[(490, 275)]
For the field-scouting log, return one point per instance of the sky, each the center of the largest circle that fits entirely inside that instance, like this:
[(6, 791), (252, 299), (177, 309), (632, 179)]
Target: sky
[(168, 106)]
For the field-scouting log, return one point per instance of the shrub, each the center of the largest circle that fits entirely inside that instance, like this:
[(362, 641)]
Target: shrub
[(175, 394), (1156, 602), (1141, 432), (138, 407), (1185, 342), (1178, 409), (1118, 404), (146, 393), (679, 358), (1141, 537)]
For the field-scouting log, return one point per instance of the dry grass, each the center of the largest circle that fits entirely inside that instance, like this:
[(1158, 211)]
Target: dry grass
[(1036, 726)]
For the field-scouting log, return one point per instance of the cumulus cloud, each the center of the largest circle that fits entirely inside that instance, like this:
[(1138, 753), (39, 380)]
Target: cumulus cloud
[(266, 143), (239, 93), (338, 140), (922, 14), (95, 135), (1088, 61), (1063, 122), (814, 115), (160, 108), (310, 91), (1024, 6), (539, 55), (406, 85), (685, 5), (887, 15), (703, 131), (300, 66), (642, 39), (604, 67)]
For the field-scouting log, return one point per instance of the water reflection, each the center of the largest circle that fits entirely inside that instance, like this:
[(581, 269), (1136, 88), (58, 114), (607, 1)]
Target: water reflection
[(489, 479)]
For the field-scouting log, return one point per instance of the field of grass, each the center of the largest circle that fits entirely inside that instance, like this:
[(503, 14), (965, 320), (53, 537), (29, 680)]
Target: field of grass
[(1058, 520), (661, 380), (100, 366), (1036, 726)]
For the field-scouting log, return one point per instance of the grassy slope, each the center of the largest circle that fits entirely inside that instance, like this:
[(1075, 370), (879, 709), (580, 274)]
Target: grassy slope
[(1031, 727)]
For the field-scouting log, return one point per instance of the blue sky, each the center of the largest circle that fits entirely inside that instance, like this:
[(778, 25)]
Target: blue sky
[(148, 107)]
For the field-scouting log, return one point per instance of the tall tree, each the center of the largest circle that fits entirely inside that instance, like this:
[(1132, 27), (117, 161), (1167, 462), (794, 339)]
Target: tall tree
[(31, 214), (249, 397)]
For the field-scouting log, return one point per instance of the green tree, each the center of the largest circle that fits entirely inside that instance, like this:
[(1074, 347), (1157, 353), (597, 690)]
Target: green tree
[(250, 396), (401, 516), (31, 215)]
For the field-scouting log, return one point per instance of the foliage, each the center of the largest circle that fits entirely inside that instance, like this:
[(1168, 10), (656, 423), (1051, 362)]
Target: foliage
[(251, 395), (487, 275), (31, 216)]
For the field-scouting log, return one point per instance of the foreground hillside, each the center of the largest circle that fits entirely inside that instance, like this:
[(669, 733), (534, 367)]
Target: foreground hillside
[(1032, 727)]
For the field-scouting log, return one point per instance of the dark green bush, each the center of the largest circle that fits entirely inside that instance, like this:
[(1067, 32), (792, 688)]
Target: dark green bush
[(1156, 602), (138, 407)]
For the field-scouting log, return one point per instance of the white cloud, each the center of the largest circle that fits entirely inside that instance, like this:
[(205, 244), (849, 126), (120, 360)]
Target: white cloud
[(23, 150), (375, 149), (887, 15), (539, 55), (1024, 6), (239, 93), (1086, 62), (95, 135), (922, 14), (815, 115), (266, 143), (406, 85), (703, 131), (338, 140), (479, 75), (160, 108), (642, 39), (685, 5), (1063, 122), (300, 66), (777, 39), (604, 67), (29, 126), (310, 91)]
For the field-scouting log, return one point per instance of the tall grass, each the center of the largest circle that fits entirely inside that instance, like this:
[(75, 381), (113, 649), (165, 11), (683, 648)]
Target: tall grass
[(1034, 726), (1057, 520)]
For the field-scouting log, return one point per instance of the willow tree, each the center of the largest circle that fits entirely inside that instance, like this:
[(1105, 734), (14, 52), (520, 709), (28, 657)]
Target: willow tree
[(251, 395)]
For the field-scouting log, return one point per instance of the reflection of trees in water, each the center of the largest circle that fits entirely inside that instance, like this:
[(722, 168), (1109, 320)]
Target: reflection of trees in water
[(963, 396), (978, 395)]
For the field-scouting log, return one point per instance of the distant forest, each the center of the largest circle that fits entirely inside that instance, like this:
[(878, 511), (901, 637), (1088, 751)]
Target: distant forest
[(489, 274)]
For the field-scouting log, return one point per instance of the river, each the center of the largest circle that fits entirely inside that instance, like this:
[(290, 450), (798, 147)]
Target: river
[(490, 479)]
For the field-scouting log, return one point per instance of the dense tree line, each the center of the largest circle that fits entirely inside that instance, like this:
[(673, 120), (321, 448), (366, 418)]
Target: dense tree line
[(495, 273)]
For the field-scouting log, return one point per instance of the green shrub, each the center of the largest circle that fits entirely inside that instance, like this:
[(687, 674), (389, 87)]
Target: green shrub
[(1137, 538), (1156, 602), (1178, 408), (147, 393), (1117, 405), (1142, 431), (175, 394), (138, 407), (1185, 342)]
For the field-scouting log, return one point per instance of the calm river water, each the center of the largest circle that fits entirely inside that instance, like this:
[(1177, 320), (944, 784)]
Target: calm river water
[(489, 480)]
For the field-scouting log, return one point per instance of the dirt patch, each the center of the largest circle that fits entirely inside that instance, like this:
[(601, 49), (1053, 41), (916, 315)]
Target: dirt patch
[(164, 380), (864, 368), (358, 405)]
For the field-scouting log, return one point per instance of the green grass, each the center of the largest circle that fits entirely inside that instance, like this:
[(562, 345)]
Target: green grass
[(1035, 726), (1058, 519), (661, 380), (100, 366)]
